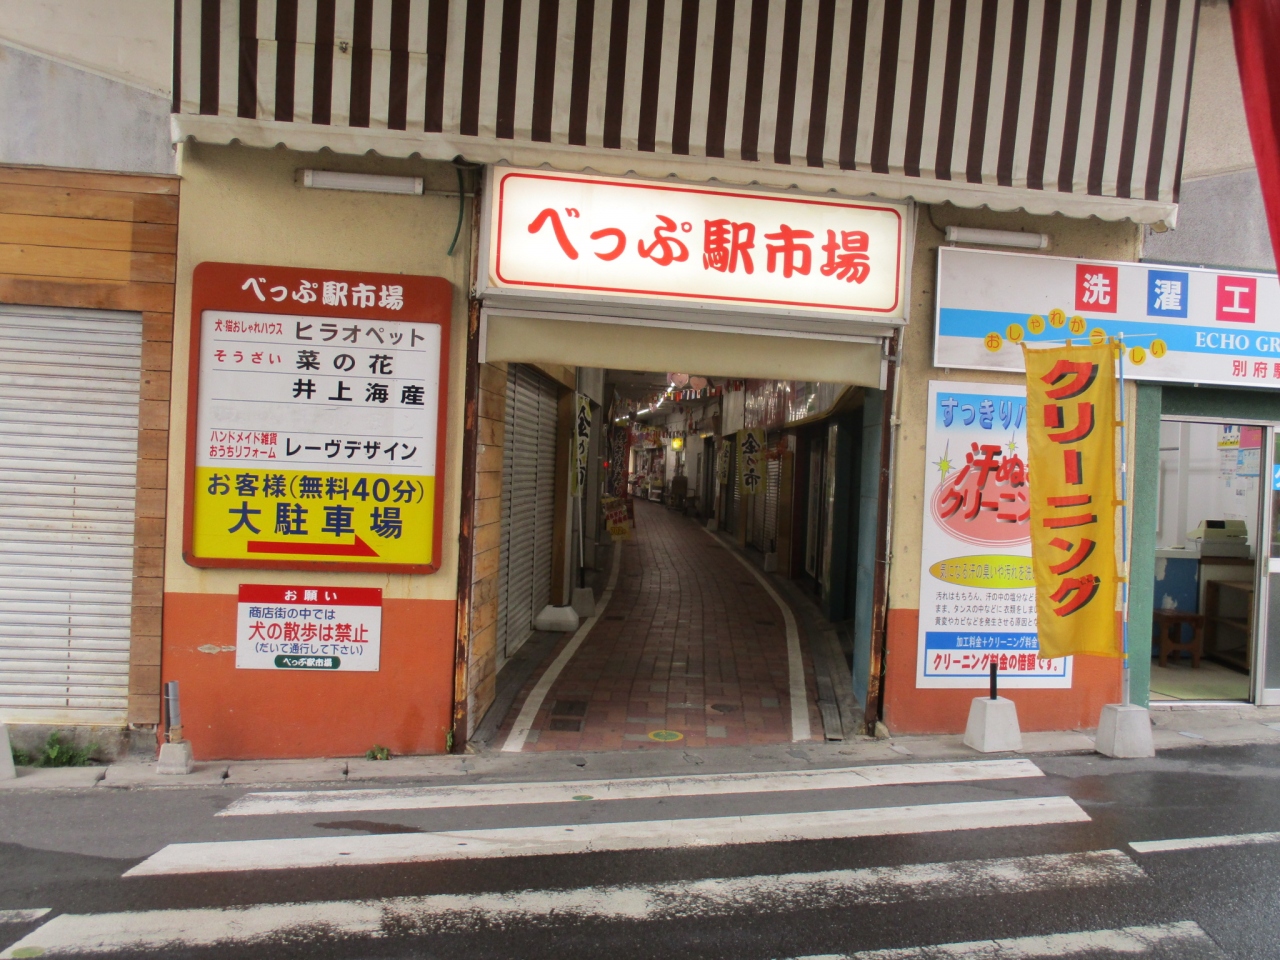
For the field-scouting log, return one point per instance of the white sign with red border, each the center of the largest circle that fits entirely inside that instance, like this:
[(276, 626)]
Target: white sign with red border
[(563, 235), (308, 628), (1180, 324)]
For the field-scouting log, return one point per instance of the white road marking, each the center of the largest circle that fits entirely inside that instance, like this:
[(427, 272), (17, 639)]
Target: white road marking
[(1126, 941), (529, 712), (1200, 843), (637, 788), (161, 929), (795, 661), (23, 916), (302, 852)]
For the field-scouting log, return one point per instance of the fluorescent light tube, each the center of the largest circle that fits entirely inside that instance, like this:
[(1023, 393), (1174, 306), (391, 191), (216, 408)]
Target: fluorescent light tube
[(998, 238), (363, 182)]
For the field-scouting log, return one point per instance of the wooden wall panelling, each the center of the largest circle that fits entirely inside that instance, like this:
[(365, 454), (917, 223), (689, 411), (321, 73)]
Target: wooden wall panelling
[(108, 241)]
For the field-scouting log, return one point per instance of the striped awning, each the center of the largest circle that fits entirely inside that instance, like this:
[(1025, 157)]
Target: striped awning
[(1071, 106)]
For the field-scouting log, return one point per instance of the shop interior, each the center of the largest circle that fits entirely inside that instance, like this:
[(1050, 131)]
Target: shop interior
[(1208, 551), (691, 642)]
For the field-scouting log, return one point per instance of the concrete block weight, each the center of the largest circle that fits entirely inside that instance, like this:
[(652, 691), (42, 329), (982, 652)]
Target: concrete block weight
[(993, 726), (1124, 731)]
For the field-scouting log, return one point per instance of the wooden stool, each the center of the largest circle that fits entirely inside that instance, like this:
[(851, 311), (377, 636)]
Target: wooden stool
[(1169, 635)]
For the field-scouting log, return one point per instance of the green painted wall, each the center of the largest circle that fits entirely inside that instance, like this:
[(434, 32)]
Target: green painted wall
[(1227, 405)]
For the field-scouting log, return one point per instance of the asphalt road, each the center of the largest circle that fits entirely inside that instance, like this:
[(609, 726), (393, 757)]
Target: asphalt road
[(1077, 887)]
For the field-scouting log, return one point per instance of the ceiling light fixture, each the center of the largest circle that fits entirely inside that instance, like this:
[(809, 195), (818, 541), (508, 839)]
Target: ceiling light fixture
[(362, 182), (998, 238)]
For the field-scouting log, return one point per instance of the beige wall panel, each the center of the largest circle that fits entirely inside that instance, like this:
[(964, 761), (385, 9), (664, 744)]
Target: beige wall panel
[(585, 343), (244, 205), (1094, 239)]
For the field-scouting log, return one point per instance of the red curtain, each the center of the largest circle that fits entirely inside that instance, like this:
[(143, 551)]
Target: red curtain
[(1256, 27)]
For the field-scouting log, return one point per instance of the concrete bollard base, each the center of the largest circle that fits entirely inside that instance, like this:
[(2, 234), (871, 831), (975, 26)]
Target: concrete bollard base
[(1124, 731), (770, 563), (584, 602), (176, 758), (993, 726), (6, 755), (556, 619), (713, 524)]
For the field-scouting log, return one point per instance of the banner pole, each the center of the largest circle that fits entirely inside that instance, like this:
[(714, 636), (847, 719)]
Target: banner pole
[(1124, 534)]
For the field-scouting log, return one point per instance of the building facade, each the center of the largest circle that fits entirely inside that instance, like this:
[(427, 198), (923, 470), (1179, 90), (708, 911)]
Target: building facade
[(547, 176)]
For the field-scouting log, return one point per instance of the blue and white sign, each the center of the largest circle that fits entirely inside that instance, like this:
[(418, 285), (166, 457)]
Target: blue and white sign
[(1182, 325)]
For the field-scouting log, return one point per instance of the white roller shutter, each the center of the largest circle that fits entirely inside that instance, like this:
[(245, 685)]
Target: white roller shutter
[(528, 505), (68, 465)]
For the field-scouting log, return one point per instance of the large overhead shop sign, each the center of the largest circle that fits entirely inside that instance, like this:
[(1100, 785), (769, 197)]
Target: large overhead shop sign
[(317, 431), (569, 236), (1180, 324)]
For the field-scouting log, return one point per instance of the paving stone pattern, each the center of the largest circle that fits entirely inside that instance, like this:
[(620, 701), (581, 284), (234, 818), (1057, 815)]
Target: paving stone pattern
[(689, 643)]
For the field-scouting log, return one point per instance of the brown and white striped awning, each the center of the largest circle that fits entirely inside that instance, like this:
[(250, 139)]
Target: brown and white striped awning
[(1072, 106)]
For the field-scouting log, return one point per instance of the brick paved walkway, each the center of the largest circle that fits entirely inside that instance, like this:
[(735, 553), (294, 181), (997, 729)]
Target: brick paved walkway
[(690, 643)]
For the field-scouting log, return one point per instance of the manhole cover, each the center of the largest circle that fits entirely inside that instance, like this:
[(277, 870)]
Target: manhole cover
[(570, 708), (665, 736), (564, 724), (723, 707)]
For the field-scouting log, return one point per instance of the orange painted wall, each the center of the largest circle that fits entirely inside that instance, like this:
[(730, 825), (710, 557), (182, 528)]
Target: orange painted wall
[(907, 710), (231, 714)]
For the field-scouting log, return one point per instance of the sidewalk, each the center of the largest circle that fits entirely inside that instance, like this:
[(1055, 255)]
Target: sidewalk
[(1181, 727)]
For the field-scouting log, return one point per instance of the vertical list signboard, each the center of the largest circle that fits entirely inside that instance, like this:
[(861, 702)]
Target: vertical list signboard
[(318, 430), (977, 591)]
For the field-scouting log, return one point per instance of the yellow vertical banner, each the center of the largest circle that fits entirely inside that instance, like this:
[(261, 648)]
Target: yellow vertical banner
[(1071, 418)]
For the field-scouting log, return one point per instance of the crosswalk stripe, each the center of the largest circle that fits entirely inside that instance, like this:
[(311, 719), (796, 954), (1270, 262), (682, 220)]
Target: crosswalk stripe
[(1185, 941), (443, 913), (1200, 843), (23, 916), (303, 852), (506, 794)]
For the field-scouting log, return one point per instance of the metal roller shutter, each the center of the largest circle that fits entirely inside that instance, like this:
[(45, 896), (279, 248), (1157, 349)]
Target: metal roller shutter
[(756, 529), (528, 505), (773, 480), (68, 465)]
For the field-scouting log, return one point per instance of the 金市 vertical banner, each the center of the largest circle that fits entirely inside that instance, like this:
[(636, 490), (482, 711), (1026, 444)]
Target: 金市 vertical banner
[(1071, 420)]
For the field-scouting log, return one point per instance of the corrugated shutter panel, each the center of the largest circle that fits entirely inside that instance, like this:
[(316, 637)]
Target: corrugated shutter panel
[(773, 480), (68, 465), (529, 451), (504, 545), (756, 507), (546, 494)]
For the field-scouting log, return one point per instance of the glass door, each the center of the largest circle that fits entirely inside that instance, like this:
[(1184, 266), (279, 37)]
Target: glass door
[(1267, 652)]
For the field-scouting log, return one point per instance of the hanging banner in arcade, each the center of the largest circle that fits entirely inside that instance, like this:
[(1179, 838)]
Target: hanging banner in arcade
[(1071, 413), (581, 443), (977, 593), (1180, 324), (316, 428), (751, 461)]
